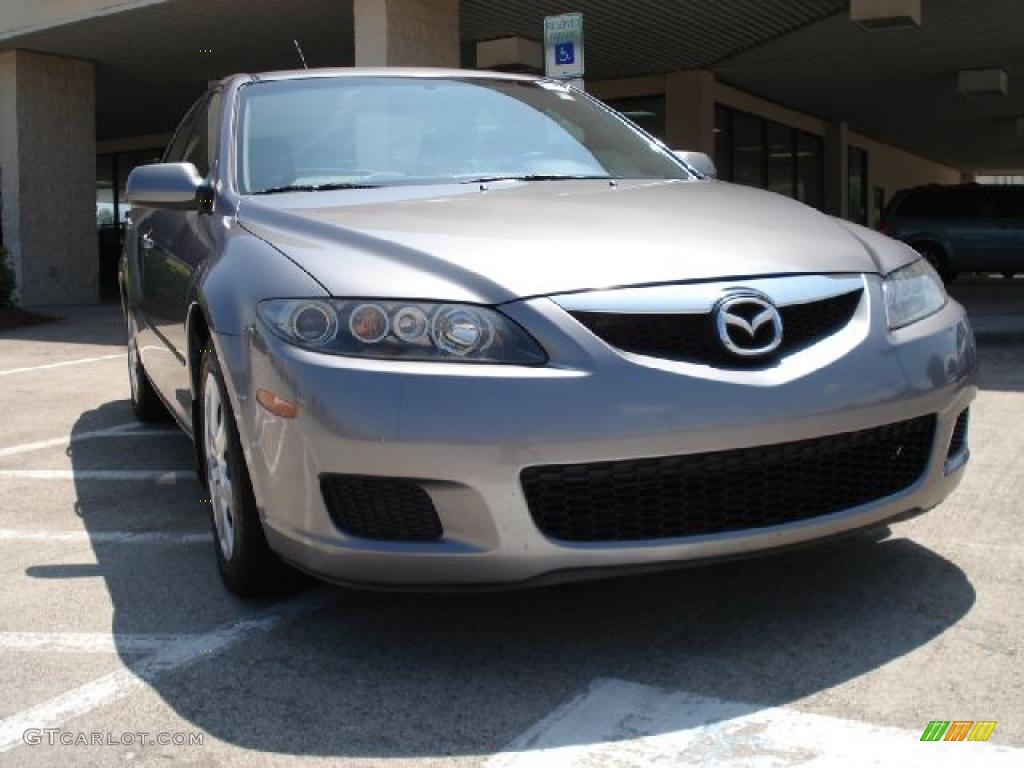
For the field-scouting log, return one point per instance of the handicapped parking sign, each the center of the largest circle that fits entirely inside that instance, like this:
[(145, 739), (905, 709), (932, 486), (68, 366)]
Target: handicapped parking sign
[(563, 46)]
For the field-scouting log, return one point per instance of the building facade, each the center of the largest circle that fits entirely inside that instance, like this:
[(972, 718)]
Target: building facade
[(90, 89)]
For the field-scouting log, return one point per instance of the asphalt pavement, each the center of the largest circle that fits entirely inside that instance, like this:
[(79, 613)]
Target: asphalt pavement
[(113, 622)]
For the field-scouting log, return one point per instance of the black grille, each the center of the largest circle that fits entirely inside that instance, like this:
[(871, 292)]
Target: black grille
[(726, 490), (959, 440), (693, 338), (380, 508)]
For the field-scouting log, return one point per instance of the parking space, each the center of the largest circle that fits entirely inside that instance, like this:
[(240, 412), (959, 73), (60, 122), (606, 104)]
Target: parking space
[(113, 620)]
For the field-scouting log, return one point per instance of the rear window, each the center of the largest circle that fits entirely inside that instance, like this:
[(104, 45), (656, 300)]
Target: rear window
[(940, 202)]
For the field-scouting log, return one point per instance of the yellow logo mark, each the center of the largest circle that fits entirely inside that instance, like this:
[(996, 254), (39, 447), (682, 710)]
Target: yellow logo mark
[(958, 730)]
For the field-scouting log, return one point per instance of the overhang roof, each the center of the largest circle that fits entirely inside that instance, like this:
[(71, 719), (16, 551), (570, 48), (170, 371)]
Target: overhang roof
[(901, 87), (898, 87)]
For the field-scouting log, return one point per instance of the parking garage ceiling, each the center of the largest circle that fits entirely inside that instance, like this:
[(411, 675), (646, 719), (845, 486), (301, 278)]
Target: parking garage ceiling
[(641, 37), (151, 62), (899, 87)]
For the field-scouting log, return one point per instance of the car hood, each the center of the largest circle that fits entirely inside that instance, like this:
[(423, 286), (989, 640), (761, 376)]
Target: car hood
[(510, 240)]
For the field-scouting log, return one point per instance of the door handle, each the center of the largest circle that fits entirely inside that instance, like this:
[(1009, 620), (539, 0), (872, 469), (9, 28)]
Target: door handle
[(147, 241)]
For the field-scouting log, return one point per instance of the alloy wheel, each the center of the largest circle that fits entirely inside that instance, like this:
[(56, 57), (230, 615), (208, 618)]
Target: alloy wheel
[(218, 470)]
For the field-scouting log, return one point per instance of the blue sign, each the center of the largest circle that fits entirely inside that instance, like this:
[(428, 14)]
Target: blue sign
[(565, 53), (563, 46)]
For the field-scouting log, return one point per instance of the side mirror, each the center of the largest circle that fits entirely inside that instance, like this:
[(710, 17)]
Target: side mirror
[(699, 161), (164, 185)]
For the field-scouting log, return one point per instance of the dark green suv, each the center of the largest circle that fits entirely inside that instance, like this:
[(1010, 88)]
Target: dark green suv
[(962, 228)]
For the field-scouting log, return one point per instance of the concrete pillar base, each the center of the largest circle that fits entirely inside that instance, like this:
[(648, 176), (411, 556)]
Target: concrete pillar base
[(48, 177)]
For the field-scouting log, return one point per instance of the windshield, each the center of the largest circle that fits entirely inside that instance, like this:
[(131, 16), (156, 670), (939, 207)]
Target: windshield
[(377, 131)]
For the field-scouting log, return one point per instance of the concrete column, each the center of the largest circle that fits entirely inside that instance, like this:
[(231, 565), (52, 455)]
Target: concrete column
[(690, 111), (406, 33), (837, 169), (48, 177)]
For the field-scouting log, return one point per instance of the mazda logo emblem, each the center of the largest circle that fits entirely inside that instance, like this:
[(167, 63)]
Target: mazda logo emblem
[(748, 325)]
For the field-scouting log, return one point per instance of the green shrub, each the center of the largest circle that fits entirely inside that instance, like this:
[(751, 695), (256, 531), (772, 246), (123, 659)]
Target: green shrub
[(6, 280)]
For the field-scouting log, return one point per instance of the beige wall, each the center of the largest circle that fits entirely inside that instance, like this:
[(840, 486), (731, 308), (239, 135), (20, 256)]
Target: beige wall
[(689, 106), (9, 177), (406, 33), (894, 169), (48, 165), (746, 102)]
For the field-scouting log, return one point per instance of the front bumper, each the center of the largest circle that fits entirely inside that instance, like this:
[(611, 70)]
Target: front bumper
[(465, 433)]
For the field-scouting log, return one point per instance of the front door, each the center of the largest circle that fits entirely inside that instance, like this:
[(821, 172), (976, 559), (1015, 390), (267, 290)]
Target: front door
[(173, 246)]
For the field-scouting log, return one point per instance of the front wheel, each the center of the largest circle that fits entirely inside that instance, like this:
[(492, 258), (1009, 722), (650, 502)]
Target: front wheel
[(146, 402), (246, 563)]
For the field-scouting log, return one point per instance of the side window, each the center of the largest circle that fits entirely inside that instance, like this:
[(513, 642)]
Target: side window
[(964, 203), (201, 147), (175, 152), (1009, 203), (915, 203)]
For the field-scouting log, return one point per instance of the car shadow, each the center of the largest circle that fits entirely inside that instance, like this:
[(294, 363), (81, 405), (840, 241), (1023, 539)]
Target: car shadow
[(390, 675), (96, 325)]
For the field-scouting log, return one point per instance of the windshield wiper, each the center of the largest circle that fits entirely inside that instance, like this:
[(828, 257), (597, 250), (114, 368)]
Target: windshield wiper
[(532, 177), (314, 188)]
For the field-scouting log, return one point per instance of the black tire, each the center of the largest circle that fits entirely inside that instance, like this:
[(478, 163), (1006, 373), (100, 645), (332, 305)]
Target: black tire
[(937, 258), (251, 569), (146, 403)]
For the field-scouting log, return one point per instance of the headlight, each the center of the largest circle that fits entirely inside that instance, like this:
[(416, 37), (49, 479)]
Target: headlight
[(912, 293), (401, 330)]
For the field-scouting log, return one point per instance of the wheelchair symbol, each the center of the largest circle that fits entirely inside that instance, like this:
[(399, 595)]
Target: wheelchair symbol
[(565, 53)]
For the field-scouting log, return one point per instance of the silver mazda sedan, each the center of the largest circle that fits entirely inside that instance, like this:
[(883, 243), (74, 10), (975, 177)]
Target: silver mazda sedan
[(439, 328)]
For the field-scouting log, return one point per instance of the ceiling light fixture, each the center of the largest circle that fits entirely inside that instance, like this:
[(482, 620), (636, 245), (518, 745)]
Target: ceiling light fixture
[(874, 15), (979, 82)]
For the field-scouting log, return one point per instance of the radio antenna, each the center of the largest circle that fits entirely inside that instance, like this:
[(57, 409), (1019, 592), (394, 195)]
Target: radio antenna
[(301, 57)]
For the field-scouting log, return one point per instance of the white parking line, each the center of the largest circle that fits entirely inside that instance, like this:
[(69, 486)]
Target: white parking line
[(117, 685), (109, 537), (62, 364), (85, 642), (159, 476), (635, 726), (129, 429)]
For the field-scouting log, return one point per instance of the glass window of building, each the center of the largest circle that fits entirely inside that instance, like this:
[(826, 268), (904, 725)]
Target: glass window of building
[(112, 171), (780, 158), (748, 151), (810, 180), (723, 142), (762, 153), (858, 185)]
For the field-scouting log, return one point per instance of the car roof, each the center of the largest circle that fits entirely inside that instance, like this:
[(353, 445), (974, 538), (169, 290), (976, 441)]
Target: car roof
[(971, 185), (396, 72)]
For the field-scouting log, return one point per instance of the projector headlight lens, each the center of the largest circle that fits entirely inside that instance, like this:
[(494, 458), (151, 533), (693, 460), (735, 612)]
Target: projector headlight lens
[(401, 330)]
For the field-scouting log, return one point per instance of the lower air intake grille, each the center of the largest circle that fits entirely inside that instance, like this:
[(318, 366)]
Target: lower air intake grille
[(727, 490), (959, 441), (380, 508)]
